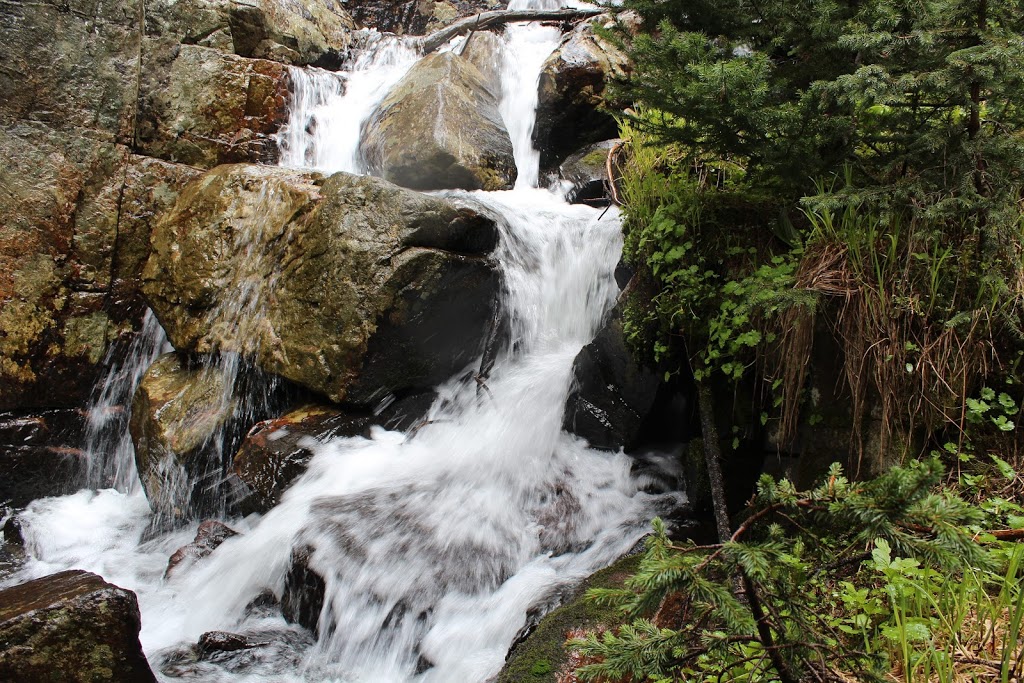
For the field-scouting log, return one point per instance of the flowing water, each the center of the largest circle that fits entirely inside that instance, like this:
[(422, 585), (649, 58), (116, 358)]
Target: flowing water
[(433, 545)]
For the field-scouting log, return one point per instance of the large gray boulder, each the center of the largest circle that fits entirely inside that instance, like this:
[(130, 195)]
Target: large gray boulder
[(347, 285), (440, 128), (571, 93), (74, 627)]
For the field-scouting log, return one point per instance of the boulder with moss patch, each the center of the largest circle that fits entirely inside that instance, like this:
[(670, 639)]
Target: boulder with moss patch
[(73, 627)]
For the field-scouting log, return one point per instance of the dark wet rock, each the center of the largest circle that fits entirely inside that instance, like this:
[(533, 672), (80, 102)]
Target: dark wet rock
[(40, 454), (414, 17), (304, 592), (71, 626), (587, 170), (440, 128), (613, 394), (405, 413), (222, 641), (376, 289), (572, 92), (12, 531), (202, 107), (277, 451), (209, 537)]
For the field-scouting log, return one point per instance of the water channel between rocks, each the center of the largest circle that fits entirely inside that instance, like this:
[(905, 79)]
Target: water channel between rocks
[(433, 545)]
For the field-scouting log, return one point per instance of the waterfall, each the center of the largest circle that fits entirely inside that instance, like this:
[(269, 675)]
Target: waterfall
[(108, 446), (434, 545)]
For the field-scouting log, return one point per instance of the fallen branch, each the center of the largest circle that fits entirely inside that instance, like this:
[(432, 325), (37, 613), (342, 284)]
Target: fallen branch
[(493, 18)]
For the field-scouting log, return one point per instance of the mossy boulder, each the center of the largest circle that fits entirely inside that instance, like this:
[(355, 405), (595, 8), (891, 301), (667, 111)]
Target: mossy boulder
[(73, 627), (541, 657), (440, 128), (347, 285)]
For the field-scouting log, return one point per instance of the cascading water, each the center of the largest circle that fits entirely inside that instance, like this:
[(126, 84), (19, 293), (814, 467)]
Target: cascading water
[(328, 109), (432, 545), (108, 446)]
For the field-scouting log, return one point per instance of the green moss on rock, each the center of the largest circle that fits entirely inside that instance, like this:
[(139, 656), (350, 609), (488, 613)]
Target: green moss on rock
[(542, 656)]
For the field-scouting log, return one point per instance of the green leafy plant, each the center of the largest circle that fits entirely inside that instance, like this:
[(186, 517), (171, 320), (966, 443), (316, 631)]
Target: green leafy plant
[(846, 579)]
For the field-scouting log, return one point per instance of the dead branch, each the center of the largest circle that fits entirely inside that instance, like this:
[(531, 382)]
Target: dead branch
[(494, 18)]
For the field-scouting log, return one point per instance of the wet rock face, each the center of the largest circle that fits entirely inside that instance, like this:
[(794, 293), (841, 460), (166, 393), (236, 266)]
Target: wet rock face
[(210, 535), (287, 31), (40, 454), (59, 202), (179, 417), (571, 90), (91, 90), (613, 393), (202, 107), (277, 451), (361, 288), (73, 626), (440, 128)]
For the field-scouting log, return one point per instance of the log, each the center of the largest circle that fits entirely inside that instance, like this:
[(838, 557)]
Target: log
[(495, 18)]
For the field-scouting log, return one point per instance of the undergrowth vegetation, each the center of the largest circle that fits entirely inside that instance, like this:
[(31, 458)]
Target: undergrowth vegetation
[(844, 176), (883, 580)]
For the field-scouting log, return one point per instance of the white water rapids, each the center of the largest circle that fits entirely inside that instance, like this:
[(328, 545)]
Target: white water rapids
[(434, 545)]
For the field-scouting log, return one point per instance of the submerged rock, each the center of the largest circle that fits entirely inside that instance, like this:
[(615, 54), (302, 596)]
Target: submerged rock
[(277, 451), (72, 626), (572, 91), (209, 537), (40, 454), (440, 128), (261, 653), (351, 287), (304, 592)]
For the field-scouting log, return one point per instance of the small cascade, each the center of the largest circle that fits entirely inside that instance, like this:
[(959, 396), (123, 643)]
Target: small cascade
[(431, 546), (531, 43), (108, 446), (328, 109)]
